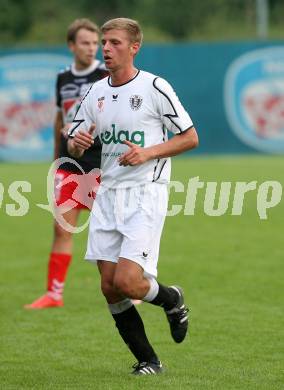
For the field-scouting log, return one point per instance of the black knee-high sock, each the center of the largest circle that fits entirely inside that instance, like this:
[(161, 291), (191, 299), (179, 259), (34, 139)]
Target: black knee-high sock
[(167, 297), (131, 329)]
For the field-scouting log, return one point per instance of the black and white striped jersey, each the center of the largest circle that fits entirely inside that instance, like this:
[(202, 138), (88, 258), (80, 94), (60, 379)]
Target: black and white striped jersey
[(71, 86)]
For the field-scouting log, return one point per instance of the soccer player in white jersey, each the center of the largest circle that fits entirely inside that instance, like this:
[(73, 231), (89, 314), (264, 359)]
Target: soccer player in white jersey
[(130, 111)]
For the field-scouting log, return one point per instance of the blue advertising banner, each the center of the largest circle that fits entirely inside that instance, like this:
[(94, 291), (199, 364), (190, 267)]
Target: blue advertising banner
[(234, 93), (218, 82), (27, 105), (254, 98)]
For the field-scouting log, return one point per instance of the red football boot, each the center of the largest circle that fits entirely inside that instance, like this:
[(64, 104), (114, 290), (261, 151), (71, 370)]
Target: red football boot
[(45, 302)]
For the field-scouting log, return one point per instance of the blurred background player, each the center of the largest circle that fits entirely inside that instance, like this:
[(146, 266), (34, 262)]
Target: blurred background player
[(72, 84)]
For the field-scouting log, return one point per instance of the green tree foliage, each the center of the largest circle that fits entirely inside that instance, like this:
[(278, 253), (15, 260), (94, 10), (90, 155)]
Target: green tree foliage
[(178, 18), (45, 21), (14, 20)]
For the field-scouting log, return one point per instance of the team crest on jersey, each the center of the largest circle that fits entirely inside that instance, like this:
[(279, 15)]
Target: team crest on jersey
[(135, 102), (101, 103)]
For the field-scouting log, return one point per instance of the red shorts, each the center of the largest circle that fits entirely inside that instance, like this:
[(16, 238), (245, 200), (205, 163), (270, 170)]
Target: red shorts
[(78, 188)]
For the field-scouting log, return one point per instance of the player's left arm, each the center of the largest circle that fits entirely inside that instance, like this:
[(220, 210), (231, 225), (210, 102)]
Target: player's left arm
[(173, 117), (178, 144)]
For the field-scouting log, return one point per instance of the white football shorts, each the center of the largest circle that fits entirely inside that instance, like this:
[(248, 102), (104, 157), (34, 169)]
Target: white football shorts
[(128, 223)]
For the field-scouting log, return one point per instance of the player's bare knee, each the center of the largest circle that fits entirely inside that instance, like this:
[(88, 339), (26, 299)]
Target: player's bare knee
[(124, 286), (61, 234), (108, 288)]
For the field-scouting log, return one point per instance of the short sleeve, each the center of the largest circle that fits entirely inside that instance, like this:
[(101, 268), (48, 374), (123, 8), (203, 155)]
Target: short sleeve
[(173, 115), (84, 116)]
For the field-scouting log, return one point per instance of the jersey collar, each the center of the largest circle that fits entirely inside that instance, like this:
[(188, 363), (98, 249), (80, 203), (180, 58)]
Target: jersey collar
[(129, 81), (86, 71)]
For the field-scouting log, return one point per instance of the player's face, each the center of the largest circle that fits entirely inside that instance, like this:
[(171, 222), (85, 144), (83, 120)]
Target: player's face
[(118, 50), (84, 48)]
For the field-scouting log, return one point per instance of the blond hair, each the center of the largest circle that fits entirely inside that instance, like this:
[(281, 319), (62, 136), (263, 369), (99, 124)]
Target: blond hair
[(77, 25), (131, 26)]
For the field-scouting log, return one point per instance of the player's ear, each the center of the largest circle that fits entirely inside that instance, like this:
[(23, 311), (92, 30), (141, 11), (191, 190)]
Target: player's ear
[(134, 48), (71, 46)]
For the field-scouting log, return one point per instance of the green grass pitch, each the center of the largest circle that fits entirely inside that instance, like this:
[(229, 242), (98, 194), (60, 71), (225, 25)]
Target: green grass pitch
[(231, 268)]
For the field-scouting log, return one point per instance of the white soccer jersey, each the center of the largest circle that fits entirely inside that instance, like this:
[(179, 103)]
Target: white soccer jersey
[(140, 111)]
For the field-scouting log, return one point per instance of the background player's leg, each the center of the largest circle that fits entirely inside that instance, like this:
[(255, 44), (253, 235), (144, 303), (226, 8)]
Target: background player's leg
[(59, 261), (61, 253)]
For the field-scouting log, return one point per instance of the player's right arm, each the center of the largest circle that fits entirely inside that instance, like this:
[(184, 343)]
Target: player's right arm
[(58, 124), (81, 141)]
